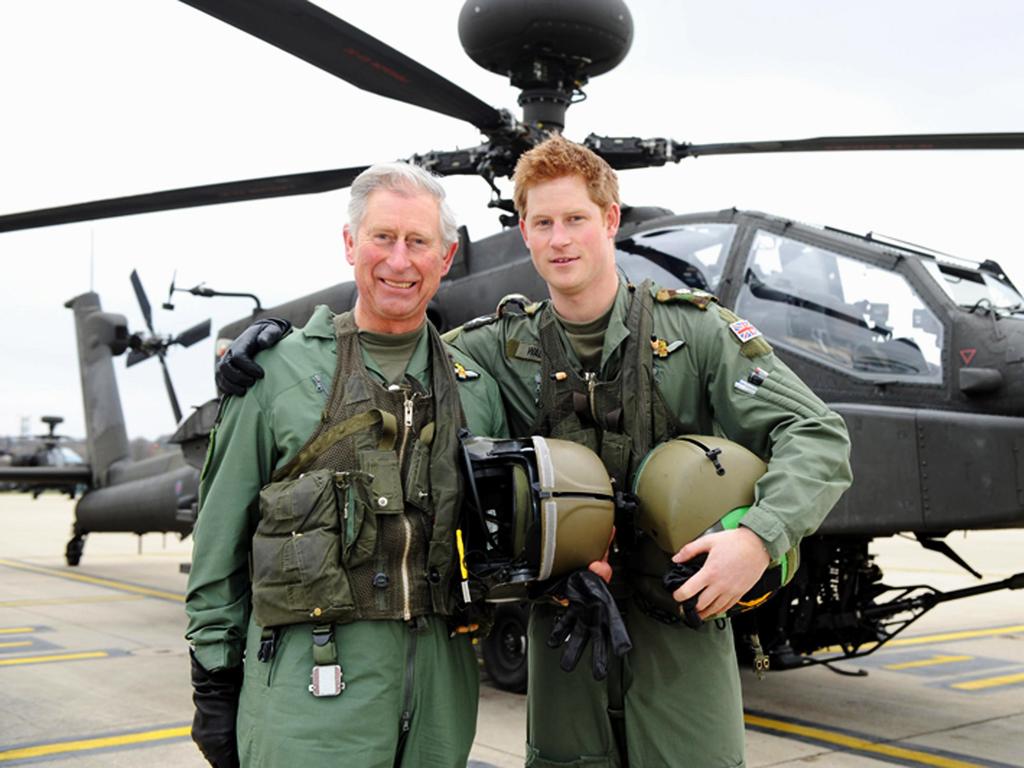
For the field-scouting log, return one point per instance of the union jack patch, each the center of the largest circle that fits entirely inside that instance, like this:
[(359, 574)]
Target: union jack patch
[(744, 331)]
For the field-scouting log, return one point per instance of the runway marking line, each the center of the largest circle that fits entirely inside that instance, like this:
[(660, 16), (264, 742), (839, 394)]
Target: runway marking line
[(967, 634), (862, 743), (16, 630), (66, 600), (989, 682), (16, 644), (54, 657), (933, 661), (123, 586), (137, 738)]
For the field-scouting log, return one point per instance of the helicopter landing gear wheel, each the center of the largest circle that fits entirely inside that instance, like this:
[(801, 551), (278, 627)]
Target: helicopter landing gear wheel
[(504, 649), (73, 551)]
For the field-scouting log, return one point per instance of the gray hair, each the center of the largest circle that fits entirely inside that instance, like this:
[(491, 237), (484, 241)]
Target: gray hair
[(401, 178)]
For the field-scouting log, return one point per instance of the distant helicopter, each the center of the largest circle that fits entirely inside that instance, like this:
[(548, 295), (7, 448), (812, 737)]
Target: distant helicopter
[(922, 353), (155, 494), (46, 450)]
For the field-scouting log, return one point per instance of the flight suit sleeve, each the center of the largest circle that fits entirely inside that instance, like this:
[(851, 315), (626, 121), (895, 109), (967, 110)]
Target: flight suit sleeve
[(774, 414), (238, 463)]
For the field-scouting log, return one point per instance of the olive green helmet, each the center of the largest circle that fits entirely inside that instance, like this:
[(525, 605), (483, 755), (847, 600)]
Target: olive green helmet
[(534, 509), (697, 484)]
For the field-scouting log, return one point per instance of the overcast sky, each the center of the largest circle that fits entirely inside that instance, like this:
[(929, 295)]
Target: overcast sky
[(115, 97)]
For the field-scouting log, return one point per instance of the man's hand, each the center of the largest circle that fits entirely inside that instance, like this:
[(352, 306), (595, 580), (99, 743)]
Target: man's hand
[(236, 370), (735, 561), (215, 695)]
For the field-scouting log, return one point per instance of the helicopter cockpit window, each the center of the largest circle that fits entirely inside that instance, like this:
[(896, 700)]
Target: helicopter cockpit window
[(975, 289), (686, 254), (840, 311)]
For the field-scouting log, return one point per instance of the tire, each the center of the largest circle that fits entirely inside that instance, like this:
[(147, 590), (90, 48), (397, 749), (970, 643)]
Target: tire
[(504, 649)]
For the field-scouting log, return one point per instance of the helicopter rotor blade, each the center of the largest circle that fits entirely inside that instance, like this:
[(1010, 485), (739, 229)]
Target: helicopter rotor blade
[(170, 389), (186, 197), (335, 46), (858, 143), (196, 333), (140, 294)]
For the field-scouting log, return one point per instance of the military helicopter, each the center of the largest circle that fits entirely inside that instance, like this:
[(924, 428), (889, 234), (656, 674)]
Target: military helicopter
[(154, 494), (915, 348), (43, 450)]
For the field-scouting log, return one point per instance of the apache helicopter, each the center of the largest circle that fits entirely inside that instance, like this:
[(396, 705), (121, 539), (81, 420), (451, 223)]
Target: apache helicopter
[(922, 353), (155, 494), (44, 450)]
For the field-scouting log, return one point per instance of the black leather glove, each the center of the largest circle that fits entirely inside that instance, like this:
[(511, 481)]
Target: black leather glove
[(236, 369), (678, 575), (591, 615), (215, 695)]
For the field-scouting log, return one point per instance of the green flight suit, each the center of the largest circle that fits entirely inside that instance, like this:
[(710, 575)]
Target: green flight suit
[(680, 688), (279, 722)]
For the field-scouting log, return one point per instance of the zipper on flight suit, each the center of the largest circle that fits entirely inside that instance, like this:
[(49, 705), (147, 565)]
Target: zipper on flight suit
[(407, 407)]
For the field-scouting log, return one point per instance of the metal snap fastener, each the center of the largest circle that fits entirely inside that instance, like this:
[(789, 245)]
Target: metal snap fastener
[(382, 501), (380, 580)]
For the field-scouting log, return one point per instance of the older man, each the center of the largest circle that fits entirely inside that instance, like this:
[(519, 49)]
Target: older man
[(581, 367), (320, 600)]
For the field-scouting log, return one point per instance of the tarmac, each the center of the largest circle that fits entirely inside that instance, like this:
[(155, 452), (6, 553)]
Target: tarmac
[(94, 669)]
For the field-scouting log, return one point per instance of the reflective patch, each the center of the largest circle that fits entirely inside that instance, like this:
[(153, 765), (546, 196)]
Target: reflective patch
[(744, 330)]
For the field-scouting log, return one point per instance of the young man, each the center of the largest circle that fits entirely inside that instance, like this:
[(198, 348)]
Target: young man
[(320, 598), (581, 367)]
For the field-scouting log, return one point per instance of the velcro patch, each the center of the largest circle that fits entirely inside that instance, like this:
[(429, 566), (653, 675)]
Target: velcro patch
[(523, 350), (744, 330)]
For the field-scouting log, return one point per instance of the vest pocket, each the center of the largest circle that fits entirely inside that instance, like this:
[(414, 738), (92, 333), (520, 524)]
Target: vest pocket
[(386, 497), (297, 566)]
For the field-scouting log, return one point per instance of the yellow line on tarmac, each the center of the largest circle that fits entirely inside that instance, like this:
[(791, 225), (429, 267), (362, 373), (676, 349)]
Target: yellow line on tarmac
[(121, 585), (16, 630), (53, 657), (16, 644), (103, 742), (989, 682), (66, 600), (965, 635), (853, 742), (934, 660)]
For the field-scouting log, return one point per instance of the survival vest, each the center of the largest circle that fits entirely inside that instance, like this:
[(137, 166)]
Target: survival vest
[(360, 524)]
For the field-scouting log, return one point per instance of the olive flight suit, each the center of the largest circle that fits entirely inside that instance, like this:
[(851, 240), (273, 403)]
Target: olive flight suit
[(678, 688), (390, 667)]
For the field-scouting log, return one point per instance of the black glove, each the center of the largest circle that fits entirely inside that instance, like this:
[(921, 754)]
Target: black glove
[(215, 695), (236, 369), (591, 615), (678, 575)]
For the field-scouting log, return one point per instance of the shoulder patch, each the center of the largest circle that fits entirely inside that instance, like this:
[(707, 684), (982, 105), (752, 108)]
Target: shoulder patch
[(512, 304), (699, 299), (523, 350), (752, 343)]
